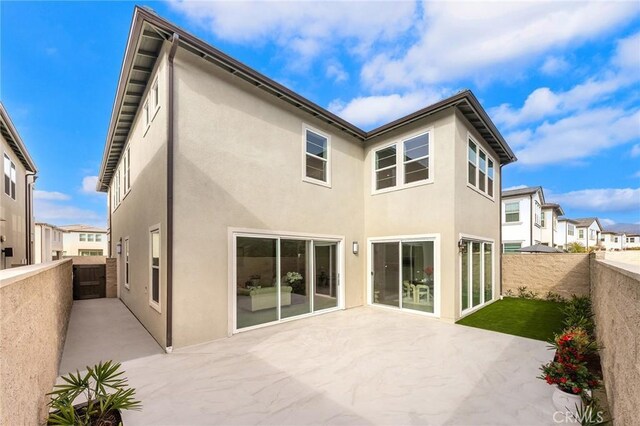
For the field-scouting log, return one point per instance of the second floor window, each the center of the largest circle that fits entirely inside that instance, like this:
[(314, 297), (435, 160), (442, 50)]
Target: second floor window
[(317, 167), (412, 154), (542, 219), (416, 158), (83, 237), (481, 169), (9, 177), (580, 233), (570, 229), (512, 212), (537, 213)]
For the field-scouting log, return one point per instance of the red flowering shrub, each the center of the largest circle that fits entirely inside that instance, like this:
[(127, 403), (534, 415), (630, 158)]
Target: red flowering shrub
[(568, 370)]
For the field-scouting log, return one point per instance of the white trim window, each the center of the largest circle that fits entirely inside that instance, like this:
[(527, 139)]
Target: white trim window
[(416, 153), (542, 219), (477, 274), (125, 253), (147, 115), (571, 229), (154, 268), (480, 169), (512, 212), (317, 157), (83, 237), (9, 177), (537, 213), (127, 170), (91, 237), (581, 233), (511, 247), (155, 95)]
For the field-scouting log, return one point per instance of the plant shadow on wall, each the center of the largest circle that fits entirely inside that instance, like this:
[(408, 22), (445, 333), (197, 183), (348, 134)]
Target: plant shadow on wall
[(104, 392), (575, 369)]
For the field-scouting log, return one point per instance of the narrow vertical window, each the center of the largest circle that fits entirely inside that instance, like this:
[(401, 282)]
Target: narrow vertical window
[(9, 177), (490, 178), (126, 262), (154, 291), (472, 155), (482, 171), (386, 167), (416, 158), (146, 113), (316, 157), (156, 97)]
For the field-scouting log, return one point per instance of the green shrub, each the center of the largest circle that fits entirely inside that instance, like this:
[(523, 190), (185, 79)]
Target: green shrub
[(525, 293), (576, 247), (554, 297), (579, 313)]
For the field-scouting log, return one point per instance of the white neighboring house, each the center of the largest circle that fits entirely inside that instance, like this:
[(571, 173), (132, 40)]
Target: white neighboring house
[(549, 231), (632, 241), (47, 243), (612, 240), (84, 240), (521, 218), (589, 229), (567, 232)]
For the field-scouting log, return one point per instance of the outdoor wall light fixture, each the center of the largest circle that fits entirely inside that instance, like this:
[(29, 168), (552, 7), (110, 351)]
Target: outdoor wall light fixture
[(355, 247), (119, 247), (462, 246)]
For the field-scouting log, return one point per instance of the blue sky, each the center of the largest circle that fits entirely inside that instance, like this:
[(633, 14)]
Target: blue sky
[(561, 80)]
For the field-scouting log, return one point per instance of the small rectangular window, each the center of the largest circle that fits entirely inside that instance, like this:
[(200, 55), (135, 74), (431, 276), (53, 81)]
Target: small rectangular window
[(90, 237), (385, 167), (580, 233), (490, 179), (83, 237), (156, 97), (542, 216), (9, 177), (511, 247), (416, 158), (98, 238), (482, 171), (472, 163), (512, 212), (154, 293), (570, 229), (316, 156), (147, 118)]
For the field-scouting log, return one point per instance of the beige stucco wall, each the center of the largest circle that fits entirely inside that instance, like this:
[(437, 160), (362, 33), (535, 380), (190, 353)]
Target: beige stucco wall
[(13, 221), (35, 304), (615, 293), (238, 163), (142, 207), (562, 273)]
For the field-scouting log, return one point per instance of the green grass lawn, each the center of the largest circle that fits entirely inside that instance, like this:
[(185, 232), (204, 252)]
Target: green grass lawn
[(535, 319)]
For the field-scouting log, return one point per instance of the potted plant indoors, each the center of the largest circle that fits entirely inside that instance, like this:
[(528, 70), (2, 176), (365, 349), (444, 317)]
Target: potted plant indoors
[(568, 371), (103, 392)]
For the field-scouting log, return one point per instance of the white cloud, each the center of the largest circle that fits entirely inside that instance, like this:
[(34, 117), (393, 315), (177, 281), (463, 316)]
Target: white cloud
[(61, 214), (578, 136), (367, 111), (337, 73), (89, 184), (468, 40), (601, 200), (635, 150), (49, 195), (554, 65), (302, 27)]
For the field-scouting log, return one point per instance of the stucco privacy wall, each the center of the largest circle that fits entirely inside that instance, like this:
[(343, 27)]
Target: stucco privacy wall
[(562, 273), (35, 304), (615, 294), (238, 163)]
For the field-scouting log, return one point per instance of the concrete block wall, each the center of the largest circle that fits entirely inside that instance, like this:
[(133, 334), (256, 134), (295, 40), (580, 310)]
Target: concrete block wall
[(615, 294), (562, 273), (35, 305), (112, 277)]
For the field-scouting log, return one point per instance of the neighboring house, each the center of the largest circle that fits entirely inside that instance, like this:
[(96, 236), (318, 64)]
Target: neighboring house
[(613, 240), (567, 232), (589, 229), (16, 207), (549, 231), (632, 241), (521, 218), (48, 243), (84, 240), (236, 203)]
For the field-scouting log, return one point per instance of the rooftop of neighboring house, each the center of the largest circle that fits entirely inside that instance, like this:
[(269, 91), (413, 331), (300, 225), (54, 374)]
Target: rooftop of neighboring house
[(566, 219), (83, 228), (553, 206), (612, 233), (516, 192), (10, 134), (585, 222), (49, 225), (148, 34)]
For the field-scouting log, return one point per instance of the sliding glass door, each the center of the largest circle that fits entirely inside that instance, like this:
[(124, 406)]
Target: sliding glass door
[(278, 278), (404, 274), (476, 273)]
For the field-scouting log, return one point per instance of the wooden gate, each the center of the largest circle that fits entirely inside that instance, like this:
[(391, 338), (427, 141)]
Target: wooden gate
[(89, 282)]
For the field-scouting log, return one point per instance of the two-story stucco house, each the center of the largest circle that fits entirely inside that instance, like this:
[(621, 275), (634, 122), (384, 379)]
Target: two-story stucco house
[(588, 229), (549, 230), (236, 203), (610, 240), (522, 218), (632, 241), (567, 232), (84, 240), (16, 207), (47, 243)]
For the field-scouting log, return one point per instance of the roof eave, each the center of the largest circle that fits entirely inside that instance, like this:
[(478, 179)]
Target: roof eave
[(26, 159)]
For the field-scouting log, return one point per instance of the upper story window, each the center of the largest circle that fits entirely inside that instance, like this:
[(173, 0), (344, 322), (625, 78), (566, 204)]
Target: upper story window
[(98, 238), (580, 233), (592, 234), (9, 177), (83, 237), (570, 229), (615, 239), (555, 223), (317, 161), (155, 95), (91, 237), (542, 217), (537, 213), (416, 164), (126, 162), (481, 169), (146, 114), (512, 212)]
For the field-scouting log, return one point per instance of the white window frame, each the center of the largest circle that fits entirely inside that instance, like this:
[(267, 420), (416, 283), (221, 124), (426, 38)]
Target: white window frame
[(581, 234), (147, 116), (571, 229), (510, 242), (543, 222), (155, 97), (400, 163), (126, 165), (12, 175), (506, 203), (127, 266), (437, 288), (488, 157), (155, 305), (494, 254), (307, 128), (80, 237), (537, 212)]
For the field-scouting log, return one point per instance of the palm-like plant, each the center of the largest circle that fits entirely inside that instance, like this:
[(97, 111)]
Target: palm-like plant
[(105, 389)]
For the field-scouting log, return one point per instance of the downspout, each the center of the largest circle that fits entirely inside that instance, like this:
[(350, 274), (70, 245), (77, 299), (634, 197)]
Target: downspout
[(531, 219), (28, 204), (500, 227), (170, 124)]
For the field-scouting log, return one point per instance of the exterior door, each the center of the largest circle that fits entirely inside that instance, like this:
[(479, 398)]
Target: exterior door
[(326, 276)]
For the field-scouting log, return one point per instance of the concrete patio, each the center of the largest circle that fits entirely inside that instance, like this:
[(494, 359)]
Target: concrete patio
[(359, 366)]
